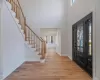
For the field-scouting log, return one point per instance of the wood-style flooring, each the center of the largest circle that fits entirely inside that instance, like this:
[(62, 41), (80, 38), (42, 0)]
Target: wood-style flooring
[(55, 68)]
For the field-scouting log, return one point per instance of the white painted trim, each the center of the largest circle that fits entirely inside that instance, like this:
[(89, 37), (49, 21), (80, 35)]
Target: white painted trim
[(59, 54), (94, 44), (67, 55), (70, 57), (1, 62)]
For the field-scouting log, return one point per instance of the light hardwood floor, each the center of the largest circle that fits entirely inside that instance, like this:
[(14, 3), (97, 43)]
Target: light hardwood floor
[(55, 68)]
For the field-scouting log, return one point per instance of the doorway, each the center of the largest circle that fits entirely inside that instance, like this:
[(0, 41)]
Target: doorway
[(82, 43), (52, 38)]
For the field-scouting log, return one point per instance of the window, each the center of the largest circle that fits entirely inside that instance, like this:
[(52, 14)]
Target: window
[(72, 1)]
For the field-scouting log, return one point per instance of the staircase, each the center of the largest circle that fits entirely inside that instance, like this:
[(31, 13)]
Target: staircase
[(31, 38)]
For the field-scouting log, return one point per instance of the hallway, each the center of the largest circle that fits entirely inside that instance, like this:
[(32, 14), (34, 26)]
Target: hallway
[(55, 68)]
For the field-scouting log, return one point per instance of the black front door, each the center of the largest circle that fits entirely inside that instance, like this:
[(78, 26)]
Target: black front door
[(82, 43)]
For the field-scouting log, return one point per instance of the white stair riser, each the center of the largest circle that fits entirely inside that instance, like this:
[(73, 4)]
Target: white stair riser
[(17, 20), (20, 26), (34, 49), (30, 56), (13, 13)]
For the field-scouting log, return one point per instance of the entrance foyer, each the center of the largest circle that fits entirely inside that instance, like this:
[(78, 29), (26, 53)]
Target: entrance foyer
[(55, 68)]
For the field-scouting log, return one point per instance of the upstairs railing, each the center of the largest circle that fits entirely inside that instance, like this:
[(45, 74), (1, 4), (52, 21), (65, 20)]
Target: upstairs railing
[(32, 38)]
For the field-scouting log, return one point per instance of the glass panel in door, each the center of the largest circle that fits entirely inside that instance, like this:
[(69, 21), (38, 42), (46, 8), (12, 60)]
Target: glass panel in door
[(90, 41), (80, 38)]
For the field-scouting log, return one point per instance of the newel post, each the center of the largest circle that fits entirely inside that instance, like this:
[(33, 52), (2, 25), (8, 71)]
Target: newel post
[(42, 50)]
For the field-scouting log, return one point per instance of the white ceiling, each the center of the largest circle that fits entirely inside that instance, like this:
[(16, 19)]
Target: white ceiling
[(44, 13)]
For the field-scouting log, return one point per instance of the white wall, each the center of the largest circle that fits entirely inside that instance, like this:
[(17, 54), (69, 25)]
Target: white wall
[(48, 31), (0, 49), (58, 48), (64, 41), (98, 39), (78, 10), (12, 43), (44, 13), (36, 30), (0, 3), (64, 31), (31, 54), (48, 14)]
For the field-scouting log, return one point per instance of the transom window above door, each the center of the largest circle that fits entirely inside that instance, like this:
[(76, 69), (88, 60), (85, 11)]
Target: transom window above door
[(72, 1)]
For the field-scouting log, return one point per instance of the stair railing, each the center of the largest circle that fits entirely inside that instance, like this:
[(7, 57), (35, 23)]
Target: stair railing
[(30, 36)]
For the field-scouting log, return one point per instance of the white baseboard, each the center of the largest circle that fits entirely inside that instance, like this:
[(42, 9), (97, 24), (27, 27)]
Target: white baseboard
[(70, 57), (66, 55), (59, 54), (95, 78)]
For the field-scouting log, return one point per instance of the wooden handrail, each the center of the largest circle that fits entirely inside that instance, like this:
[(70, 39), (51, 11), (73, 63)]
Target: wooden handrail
[(30, 36), (35, 33), (42, 39)]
